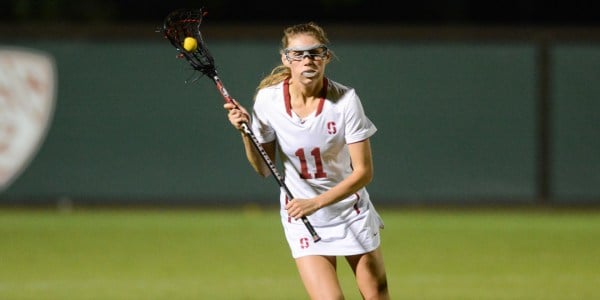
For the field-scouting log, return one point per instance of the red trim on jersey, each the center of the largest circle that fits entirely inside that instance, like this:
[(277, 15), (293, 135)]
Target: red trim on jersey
[(287, 199), (323, 96), (286, 96), (288, 101), (356, 203)]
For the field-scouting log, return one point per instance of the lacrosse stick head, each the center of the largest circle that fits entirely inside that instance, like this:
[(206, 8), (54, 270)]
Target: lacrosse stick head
[(185, 23)]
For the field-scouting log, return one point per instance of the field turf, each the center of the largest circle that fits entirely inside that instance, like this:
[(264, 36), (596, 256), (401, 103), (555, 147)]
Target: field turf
[(241, 254)]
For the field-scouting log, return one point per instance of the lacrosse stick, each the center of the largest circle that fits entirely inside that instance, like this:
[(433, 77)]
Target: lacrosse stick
[(181, 25)]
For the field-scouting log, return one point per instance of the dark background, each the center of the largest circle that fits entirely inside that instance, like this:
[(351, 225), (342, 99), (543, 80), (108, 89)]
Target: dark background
[(476, 102), (546, 13)]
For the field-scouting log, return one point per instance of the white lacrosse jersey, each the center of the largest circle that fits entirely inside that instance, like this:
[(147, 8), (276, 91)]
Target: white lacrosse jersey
[(314, 150)]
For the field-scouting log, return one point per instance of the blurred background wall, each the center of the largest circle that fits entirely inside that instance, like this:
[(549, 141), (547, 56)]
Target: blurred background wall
[(475, 103)]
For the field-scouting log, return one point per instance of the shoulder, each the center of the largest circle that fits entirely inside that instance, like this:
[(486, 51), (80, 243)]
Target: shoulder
[(270, 91), (335, 87), (341, 95), (269, 94), (337, 91)]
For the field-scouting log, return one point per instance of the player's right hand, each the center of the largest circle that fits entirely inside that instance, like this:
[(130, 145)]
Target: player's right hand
[(237, 114)]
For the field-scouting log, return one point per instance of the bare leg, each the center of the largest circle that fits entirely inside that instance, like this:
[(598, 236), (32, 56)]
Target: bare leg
[(371, 278), (319, 276)]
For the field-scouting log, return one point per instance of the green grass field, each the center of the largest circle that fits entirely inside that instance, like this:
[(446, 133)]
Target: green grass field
[(241, 254)]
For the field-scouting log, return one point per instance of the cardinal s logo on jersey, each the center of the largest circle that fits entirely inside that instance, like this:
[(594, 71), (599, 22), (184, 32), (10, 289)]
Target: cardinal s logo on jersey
[(331, 129)]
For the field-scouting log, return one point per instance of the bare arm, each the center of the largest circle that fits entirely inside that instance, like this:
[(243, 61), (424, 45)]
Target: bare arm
[(362, 174), (237, 116), (255, 159)]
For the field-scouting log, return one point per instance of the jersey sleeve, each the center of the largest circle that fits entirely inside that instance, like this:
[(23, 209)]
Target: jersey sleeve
[(260, 125), (358, 126)]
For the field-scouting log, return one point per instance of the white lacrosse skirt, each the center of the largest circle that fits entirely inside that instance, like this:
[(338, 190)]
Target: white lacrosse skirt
[(358, 235)]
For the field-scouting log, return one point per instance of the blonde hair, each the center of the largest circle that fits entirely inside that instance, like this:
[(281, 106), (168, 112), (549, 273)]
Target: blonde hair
[(281, 72)]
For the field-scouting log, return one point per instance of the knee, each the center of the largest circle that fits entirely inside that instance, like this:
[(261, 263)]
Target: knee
[(378, 292), (382, 287)]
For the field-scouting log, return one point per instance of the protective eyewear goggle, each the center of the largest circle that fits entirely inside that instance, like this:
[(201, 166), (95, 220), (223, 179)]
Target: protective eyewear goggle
[(318, 52)]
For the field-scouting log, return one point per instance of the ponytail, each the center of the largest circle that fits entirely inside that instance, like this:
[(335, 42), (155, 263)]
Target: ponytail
[(278, 74)]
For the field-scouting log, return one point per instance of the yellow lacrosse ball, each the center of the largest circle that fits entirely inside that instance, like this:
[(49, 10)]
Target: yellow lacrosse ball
[(190, 44)]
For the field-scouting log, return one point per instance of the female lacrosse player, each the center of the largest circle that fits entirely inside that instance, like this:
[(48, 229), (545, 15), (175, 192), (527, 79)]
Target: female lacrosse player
[(321, 133)]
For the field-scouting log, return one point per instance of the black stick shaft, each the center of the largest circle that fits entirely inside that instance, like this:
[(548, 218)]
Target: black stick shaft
[(265, 157)]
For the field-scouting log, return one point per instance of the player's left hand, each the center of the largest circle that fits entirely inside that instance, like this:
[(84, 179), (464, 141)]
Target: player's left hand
[(298, 208)]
